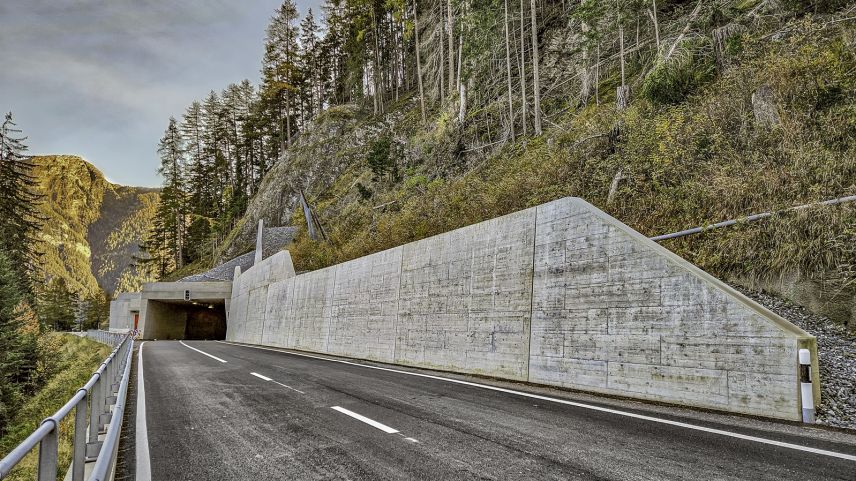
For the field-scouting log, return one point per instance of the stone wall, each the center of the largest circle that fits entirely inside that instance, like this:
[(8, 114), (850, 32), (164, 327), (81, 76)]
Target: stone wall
[(561, 294)]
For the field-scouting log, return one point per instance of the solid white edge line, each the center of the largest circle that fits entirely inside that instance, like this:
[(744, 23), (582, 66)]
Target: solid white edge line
[(265, 378), (576, 404), (370, 422), (201, 352), (141, 433)]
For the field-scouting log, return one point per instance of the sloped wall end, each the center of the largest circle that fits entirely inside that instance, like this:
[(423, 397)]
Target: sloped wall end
[(616, 313)]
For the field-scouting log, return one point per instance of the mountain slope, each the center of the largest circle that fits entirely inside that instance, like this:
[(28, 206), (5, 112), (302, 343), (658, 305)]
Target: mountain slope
[(772, 129), (91, 227)]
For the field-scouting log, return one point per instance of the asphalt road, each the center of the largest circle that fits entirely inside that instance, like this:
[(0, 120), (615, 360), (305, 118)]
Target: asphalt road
[(267, 414)]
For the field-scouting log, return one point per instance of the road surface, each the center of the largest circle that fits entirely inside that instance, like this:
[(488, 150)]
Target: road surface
[(220, 411)]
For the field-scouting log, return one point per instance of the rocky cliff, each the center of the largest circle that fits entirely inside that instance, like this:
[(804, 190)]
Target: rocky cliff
[(91, 228)]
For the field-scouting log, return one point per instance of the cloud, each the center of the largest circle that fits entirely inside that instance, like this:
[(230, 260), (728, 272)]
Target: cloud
[(101, 77)]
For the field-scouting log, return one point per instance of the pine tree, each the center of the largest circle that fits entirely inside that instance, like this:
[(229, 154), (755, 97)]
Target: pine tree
[(19, 224), (17, 349), (280, 67), (171, 211), (57, 305), (309, 53)]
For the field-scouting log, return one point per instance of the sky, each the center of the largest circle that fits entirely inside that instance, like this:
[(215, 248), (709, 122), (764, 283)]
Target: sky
[(100, 78)]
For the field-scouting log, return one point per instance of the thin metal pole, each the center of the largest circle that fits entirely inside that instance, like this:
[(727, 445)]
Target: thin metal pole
[(751, 218), (94, 411), (48, 450), (79, 449)]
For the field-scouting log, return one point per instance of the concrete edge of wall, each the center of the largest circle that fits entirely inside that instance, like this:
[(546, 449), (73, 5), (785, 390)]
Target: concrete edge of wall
[(804, 339)]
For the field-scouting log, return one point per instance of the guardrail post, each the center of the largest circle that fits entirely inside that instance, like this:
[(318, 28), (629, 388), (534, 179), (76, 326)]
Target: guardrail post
[(79, 447), (95, 411), (48, 450)]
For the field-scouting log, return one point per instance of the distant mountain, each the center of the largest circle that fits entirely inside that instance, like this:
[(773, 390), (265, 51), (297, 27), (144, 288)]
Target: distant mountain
[(91, 227)]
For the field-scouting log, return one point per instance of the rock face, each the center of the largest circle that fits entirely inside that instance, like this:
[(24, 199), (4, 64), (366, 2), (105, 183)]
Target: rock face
[(332, 143), (90, 227)]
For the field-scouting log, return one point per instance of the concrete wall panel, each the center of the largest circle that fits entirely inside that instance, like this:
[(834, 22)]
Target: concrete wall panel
[(561, 294)]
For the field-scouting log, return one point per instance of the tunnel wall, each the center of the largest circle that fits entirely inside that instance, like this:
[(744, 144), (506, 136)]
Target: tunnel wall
[(561, 294), (171, 320)]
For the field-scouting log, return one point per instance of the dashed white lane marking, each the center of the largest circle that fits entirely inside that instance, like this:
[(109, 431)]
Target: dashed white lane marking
[(265, 378), (695, 427), (370, 422), (144, 467), (201, 352), (289, 387)]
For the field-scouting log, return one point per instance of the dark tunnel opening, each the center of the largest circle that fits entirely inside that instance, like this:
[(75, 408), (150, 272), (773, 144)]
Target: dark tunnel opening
[(206, 322)]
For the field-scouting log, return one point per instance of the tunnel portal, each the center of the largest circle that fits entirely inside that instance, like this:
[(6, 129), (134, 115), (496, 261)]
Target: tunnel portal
[(192, 320)]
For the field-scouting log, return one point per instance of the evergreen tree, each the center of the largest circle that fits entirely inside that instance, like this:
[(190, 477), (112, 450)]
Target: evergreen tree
[(171, 211), (17, 347), (19, 224), (309, 54), (279, 70), (57, 305)]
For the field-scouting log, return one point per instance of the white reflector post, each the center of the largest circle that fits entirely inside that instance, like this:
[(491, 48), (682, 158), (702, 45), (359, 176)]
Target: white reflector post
[(806, 391)]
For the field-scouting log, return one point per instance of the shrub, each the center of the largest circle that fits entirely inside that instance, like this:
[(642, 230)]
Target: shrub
[(689, 68)]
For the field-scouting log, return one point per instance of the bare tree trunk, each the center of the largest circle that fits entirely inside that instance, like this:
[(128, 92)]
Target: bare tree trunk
[(585, 74), (419, 62), (597, 76), (307, 214), (451, 46), (462, 94), (508, 73), (460, 56), (376, 73), (622, 94), (536, 80), (684, 32), (288, 120), (442, 64), (613, 186), (523, 64), (653, 13)]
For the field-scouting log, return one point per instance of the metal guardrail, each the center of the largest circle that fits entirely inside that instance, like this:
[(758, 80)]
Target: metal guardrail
[(108, 387), (750, 218)]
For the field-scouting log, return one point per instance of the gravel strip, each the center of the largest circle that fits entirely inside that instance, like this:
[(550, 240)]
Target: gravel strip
[(836, 350)]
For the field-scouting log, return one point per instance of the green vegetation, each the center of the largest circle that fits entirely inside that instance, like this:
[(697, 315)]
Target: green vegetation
[(91, 228), (702, 160), (65, 363), (407, 119)]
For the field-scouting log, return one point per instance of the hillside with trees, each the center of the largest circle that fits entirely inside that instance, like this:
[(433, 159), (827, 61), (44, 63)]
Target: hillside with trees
[(386, 122)]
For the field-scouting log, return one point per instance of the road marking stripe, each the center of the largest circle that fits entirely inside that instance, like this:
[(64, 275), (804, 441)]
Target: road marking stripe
[(201, 352), (144, 467), (721, 432), (275, 382), (289, 387), (370, 422)]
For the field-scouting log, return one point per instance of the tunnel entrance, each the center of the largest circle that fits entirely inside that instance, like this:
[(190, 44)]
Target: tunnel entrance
[(206, 323), (190, 320)]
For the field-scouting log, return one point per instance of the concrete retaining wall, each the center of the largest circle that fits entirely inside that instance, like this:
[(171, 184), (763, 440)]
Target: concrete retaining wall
[(122, 310), (561, 294)]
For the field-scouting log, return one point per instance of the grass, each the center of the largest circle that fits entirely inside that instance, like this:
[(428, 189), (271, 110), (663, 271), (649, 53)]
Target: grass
[(69, 361), (700, 161)]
